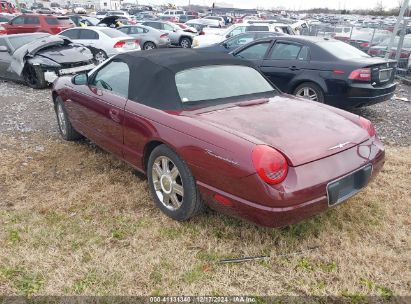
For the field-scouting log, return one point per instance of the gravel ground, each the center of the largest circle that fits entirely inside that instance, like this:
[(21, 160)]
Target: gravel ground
[(23, 110)]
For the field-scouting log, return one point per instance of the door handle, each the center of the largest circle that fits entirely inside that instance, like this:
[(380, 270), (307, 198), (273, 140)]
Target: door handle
[(115, 115), (293, 68)]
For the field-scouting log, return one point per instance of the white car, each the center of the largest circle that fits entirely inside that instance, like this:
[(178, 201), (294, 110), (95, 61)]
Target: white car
[(79, 10), (117, 13), (238, 28), (216, 21), (104, 42)]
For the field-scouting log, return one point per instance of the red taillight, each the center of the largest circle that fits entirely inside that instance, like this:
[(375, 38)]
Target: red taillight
[(365, 44), (270, 164), (361, 74), (368, 126), (404, 55), (119, 44), (164, 36), (338, 72)]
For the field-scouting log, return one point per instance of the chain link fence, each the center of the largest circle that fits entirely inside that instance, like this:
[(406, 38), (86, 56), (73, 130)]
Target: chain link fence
[(373, 40)]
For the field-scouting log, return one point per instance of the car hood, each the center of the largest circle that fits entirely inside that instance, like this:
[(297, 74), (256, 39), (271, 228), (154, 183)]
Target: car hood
[(301, 130), (67, 54)]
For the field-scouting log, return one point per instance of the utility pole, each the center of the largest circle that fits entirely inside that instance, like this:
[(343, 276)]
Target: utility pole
[(404, 6)]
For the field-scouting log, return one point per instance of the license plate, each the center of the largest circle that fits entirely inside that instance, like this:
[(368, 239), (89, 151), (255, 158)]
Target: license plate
[(345, 187), (385, 75)]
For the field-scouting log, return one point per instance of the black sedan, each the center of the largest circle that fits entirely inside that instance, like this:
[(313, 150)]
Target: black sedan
[(322, 69), (39, 58)]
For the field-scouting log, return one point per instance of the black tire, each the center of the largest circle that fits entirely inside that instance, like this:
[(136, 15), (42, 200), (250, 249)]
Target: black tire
[(313, 87), (34, 77), (185, 43), (99, 56), (149, 45), (191, 204), (65, 128)]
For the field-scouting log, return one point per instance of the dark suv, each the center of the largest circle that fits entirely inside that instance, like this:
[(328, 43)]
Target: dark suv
[(33, 23)]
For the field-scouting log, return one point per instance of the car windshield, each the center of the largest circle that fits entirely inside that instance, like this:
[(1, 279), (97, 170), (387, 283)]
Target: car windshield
[(18, 41), (193, 85), (112, 33), (342, 50)]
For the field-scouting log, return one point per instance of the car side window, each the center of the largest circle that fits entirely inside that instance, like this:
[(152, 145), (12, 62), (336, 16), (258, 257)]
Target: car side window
[(256, 51), (18, 20), (136, 30), (240, 40), (304, 53), (236, 31), (155, 25), (88, 35), (31, 20), (113, 77), (72, 34), (168, 27), (126, 30), (285, 51)]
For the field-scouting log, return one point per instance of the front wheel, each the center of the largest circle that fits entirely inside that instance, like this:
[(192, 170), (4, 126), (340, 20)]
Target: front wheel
[(309, 90), (100, 56), (34, 77), (172, 185), (185, 43), (66, 129)]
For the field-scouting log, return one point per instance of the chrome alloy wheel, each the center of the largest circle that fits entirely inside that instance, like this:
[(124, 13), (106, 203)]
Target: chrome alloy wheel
[(307, 93), (100, 57), (167, 182), (61, 117)]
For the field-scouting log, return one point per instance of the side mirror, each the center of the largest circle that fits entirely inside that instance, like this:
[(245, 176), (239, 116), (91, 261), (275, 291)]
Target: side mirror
[(80, 79), (3, 48), (227, 36)]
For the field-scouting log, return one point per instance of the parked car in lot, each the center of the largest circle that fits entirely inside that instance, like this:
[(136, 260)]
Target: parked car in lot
[(149, 37), (33, 23), (235, 42), (235, 29), (199, 145), (103, 42), (101, 14), (322, 69), (177, 35), (4, 19), (115, 21), (39, 58), (363, 41), (81, 20), (215, 21)]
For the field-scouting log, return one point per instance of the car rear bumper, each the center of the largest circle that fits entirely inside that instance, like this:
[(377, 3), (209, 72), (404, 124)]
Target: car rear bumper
[(359, 95), (307, 198)]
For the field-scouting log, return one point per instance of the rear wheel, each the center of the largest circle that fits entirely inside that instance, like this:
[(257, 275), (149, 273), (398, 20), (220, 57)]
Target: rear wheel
[(309, 90), (172, 185), (149, 46), (66, 129), (100, 56), (185, 43), (34, 77)]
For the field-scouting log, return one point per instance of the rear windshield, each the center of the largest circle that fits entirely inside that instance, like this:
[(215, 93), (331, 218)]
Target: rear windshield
[(112, 33), (342, 50), (17, 42), (194, 85), (58, 21)]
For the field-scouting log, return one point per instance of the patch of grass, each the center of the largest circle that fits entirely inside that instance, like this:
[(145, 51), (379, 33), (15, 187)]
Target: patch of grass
[(14, 236), (29, 283), (354, 297), (328, 267), (195, 274), (305, 264), (171, 233)]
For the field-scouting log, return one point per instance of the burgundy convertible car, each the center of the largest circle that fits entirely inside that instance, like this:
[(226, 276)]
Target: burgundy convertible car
[(210, 129)]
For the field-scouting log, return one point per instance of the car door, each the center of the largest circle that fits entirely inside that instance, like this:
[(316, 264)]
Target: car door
[(15, 26), (172, 33), (99, 106), (239, 40), (285, 61), (32, 24), (255, 52), (88, 37)]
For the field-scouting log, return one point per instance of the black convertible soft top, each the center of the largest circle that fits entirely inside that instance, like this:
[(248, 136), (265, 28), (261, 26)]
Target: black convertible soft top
[(152, 73)]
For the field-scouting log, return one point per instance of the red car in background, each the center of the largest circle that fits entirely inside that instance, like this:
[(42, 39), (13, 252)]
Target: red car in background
[(34, 23), (7, 7), (208, 128)]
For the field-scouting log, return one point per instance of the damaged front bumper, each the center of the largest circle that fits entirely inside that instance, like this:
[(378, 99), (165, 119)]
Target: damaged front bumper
[(51, 75)]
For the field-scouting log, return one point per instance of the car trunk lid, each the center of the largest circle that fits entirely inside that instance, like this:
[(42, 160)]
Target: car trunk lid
[(301, 130)]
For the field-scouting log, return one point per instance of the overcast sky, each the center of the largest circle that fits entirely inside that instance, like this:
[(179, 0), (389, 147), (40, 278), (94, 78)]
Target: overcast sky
[(288, 4)]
